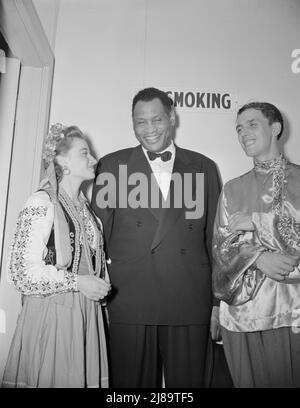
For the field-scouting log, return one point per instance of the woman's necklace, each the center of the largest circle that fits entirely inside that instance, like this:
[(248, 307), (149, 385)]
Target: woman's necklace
[(79, 206)]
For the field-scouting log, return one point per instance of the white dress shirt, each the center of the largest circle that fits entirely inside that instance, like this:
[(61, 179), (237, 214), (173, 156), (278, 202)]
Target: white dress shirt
[(163, 170)]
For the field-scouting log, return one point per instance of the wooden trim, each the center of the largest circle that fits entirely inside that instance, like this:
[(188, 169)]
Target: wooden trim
[(21, 27), (24, 34), (8, 97), (42, 124)]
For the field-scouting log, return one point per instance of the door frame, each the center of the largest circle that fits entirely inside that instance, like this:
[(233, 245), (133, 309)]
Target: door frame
[(21, 27)]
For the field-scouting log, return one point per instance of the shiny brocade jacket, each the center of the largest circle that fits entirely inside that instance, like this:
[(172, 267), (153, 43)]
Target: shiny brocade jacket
[(32, 258), (251, 301)]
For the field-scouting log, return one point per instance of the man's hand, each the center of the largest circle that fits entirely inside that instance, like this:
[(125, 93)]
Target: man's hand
[(276, 266), (240, 222), (215, 329)]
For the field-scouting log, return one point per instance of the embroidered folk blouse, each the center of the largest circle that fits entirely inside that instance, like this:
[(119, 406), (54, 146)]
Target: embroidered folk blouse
[(251, 301), (27, 266)]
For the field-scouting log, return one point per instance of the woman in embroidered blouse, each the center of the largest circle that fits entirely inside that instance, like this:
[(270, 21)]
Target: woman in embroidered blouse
[(57, 262), (256, 251)]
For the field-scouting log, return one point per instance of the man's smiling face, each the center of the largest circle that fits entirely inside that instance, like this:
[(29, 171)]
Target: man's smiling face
[(256, 136), (153, 125)]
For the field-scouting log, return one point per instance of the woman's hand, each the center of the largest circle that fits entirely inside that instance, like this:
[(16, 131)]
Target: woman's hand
[(240, 222), (93, 287)]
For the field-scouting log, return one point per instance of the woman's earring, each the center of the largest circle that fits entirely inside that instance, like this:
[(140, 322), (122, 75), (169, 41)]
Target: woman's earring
[(66, 170)]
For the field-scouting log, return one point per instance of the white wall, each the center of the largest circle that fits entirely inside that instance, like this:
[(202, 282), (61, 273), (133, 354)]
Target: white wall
[(106, 50)]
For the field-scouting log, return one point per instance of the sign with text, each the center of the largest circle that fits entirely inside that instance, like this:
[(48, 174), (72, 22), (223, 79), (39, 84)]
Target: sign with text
[(198, 100)]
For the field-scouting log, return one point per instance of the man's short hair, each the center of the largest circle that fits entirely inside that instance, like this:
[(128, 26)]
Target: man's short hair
[(269, 111), (148, 94)]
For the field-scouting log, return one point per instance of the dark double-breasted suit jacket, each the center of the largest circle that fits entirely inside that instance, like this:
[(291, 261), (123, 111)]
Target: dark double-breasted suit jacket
[(160, 260)]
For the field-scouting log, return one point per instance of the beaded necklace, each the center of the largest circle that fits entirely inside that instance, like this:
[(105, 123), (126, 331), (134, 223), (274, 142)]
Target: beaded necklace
[(87, 234)]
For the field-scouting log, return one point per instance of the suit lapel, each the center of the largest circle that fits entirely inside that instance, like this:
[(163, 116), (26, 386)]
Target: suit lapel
[(166, 217), (138, 163), (171, 214)]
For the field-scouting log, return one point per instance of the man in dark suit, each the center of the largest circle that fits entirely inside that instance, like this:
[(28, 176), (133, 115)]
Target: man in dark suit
[(160, 250)]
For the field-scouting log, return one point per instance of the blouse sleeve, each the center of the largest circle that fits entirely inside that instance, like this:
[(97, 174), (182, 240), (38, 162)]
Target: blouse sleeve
[(235, 277), (27, 269)]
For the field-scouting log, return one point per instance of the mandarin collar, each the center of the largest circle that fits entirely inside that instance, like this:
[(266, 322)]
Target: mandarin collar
[(269, 165)]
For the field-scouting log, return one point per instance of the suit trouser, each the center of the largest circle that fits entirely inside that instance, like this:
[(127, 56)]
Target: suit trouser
[(139, 352)]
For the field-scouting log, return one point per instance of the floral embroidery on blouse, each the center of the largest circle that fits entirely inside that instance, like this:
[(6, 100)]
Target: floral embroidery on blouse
[(269, 164), (289, 231), (95, 240), (277, 166), (85, 224), (66, 202), (88, 227), (26, 268), (287, 227)]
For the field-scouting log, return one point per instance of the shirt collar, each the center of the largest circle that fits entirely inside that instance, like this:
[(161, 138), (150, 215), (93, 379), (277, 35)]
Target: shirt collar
[(269, 164)]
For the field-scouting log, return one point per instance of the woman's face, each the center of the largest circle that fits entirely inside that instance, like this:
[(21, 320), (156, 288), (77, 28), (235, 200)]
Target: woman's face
[(79, 160)]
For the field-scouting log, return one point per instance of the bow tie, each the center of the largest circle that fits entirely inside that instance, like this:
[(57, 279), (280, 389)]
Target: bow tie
[(165, 156)]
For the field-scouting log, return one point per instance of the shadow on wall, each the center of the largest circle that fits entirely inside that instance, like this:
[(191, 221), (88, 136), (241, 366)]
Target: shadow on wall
[(86, 186), (285, 135)]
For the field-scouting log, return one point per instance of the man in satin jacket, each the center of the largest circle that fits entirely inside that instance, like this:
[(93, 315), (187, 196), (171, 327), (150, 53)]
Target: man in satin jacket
[(158, 238), (256, 250)]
